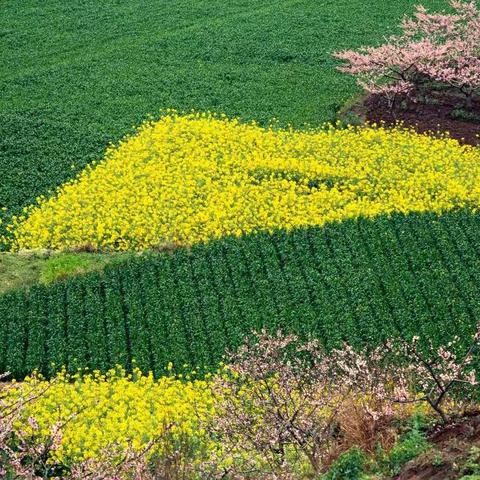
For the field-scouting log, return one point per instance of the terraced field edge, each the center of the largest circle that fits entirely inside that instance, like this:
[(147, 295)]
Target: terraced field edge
[(361, 281)]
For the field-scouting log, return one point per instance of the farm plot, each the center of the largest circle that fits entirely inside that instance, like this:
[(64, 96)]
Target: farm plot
[(152, 237), (360, 281), (191, 178), (99, 68)]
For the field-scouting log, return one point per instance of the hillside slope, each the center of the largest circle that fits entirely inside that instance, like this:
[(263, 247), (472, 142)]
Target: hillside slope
[(77, 75), (359, 281)]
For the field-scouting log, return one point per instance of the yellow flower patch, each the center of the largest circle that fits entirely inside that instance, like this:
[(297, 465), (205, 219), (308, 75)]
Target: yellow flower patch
[(96, 411), (188, 179), (89, 415)]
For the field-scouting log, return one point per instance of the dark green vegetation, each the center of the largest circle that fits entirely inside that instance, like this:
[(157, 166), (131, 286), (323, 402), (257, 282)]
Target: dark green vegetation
[(77, 75), (360, 281)]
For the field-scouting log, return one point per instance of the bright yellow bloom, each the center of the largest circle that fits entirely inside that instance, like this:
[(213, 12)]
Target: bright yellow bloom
[(188, 179), (99, 410)]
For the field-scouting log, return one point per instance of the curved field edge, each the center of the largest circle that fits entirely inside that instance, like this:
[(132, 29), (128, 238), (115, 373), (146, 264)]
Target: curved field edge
[(191, 178), (360, 281), (87, 81)]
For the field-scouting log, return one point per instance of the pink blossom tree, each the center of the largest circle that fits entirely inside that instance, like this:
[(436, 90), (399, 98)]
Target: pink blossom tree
[(272, 403), (403, 371), (282, 401), (433, 49)]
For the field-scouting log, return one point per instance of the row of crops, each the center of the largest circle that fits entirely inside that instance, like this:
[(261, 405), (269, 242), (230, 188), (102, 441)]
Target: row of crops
[(360, 280)]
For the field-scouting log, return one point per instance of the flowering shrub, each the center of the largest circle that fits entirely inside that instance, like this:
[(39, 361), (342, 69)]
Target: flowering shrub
[(404, 372), (280, 409), (441, 48), (188, 179), (280, 403), (285, 409)]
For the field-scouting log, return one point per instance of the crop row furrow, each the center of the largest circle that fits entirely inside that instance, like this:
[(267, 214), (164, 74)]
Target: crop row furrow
[(360, 281)]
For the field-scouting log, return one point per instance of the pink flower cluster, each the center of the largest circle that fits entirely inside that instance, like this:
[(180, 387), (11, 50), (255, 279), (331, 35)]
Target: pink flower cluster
[(432, 49)]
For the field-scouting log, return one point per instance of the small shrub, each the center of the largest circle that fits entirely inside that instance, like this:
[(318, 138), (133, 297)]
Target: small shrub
[(413, 444), (349, 466), (472, 465)]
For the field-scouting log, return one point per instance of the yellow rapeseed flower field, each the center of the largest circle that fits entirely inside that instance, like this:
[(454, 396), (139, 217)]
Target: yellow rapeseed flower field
[(96, 411), (190, 178), (118, 412)]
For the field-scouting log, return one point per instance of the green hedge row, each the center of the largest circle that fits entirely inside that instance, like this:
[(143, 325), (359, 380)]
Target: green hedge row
[(360, 281)]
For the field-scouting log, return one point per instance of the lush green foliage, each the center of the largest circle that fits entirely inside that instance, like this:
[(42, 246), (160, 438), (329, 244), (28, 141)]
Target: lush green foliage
[(77, 75), (413, 444), (349, 466), (359, 281)]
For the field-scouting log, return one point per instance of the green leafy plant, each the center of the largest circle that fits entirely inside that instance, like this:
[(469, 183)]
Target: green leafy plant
[(471, 467), (437, 460), (349, 466), (410, 446)]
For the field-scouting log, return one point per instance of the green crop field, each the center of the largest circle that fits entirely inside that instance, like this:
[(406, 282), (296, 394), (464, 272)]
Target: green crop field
[(357, 281), (77, 75), (215, 264)]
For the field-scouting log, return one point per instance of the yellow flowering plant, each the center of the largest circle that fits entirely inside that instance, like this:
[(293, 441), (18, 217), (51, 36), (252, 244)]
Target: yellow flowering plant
[(99, 410), (280, 405), (190, 178)]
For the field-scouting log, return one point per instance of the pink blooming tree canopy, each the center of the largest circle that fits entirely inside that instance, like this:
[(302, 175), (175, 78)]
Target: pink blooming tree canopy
[(434, 49)]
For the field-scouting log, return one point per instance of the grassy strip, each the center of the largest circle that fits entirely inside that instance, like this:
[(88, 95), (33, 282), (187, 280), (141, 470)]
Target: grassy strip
[(360, 281), (28, 268)]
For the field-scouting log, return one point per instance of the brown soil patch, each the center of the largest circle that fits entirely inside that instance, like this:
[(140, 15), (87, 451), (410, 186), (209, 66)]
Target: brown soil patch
[(442, 114), (448, 460)]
